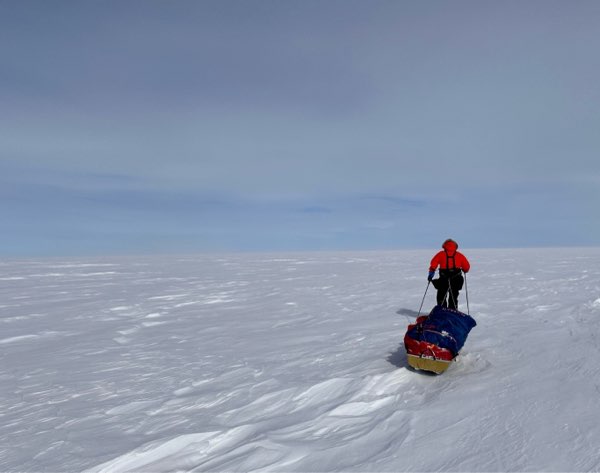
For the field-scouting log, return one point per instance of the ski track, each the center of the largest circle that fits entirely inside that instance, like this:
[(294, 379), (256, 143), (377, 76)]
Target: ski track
[(295, 363)]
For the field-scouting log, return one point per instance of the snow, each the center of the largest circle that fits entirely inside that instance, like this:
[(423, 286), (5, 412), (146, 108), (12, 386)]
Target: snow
[(257, 362)]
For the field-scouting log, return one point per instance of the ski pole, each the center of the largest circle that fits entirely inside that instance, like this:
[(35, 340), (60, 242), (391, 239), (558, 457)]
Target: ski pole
[(423, 301)]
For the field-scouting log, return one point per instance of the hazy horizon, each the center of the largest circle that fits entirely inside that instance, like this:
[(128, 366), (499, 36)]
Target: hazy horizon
[(146, 126)]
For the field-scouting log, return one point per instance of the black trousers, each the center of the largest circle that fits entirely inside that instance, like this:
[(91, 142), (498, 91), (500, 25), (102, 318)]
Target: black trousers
[(448, 287)]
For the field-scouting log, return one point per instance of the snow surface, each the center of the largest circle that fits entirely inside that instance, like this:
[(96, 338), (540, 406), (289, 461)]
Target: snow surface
[(295, 363)]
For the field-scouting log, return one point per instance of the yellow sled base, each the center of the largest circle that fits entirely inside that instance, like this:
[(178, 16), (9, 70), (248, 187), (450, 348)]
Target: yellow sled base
[(426, 363)]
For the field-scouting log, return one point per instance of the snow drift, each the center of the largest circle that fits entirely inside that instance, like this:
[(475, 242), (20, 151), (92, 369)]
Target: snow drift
[(295, 363)]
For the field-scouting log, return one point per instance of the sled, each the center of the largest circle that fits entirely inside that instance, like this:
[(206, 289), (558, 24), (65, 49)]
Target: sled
[(434, 341), (424, 363), (427, 356)]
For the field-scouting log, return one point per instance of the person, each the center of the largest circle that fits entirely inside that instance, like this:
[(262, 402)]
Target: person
[(452, 264)]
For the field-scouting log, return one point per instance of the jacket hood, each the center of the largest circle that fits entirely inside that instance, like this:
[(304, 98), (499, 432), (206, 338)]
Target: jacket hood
[(450, 246)]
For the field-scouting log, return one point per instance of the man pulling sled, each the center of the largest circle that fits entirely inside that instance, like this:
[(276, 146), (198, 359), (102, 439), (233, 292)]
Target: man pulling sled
[(434, 340)]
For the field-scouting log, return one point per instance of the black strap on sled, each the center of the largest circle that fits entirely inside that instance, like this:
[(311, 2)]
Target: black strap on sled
[(467, 294), (449, 297)]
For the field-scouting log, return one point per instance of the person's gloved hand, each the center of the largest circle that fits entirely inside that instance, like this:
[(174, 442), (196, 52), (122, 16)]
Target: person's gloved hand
[(430, 275)]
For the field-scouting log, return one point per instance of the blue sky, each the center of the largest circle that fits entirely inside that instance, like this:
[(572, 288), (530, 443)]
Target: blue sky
[(218, 125)]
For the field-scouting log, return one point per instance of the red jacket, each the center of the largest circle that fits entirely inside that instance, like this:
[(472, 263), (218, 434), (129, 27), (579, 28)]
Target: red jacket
[(449, 258)]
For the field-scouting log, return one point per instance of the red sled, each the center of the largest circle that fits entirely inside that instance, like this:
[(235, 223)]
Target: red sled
[(426, 356)]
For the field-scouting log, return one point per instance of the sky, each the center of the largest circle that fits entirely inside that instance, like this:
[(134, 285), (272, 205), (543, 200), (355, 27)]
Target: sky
[(268, 125)]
